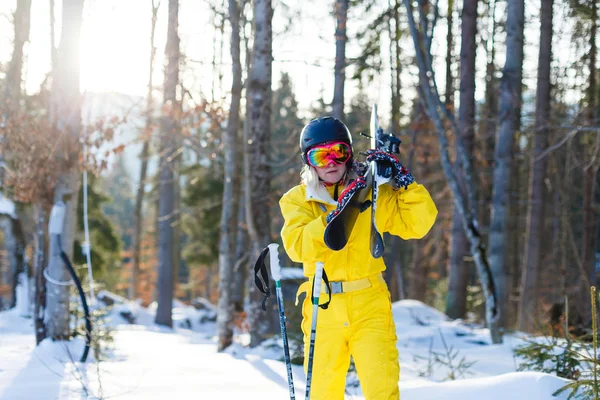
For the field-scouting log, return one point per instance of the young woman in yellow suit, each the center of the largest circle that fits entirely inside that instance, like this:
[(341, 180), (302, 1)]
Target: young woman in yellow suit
[(358, 321)]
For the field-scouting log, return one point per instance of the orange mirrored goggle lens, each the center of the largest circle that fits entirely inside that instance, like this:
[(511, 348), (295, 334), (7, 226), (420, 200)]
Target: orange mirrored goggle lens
[(320, 156)]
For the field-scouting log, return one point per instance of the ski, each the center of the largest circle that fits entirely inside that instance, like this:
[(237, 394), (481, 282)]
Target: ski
[(339, 226), (376, 243)]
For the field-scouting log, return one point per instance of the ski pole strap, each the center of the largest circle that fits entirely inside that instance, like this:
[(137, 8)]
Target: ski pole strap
[(328, 285), (264, 276)]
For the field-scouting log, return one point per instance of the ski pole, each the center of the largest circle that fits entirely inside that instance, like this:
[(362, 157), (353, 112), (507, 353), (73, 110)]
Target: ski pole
[(313, 330), (276, 274)]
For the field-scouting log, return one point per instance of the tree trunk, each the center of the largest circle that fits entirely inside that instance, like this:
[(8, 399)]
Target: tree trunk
[(228, 228), (393, 32), (258, 191), (588, 249), (341, 17), (141, 191), (12, 81), (241, 260), (243, 250), (449, 92), (535, 212), (463, 201), (420, 271), (65, 115), (12, 97), (40, 280), (457, 281), (168, 185), (398, 66), (509, 89), (488, 129), (14, 242)]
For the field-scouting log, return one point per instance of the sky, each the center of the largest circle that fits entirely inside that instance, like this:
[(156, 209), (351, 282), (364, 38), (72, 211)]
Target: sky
[(115, 48)]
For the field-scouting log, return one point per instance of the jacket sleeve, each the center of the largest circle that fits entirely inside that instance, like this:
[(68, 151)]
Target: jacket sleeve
[(302, 233), (410, 212)]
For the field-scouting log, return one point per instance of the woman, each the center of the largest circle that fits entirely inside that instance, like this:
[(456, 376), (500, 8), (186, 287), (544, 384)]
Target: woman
[(358, 321)]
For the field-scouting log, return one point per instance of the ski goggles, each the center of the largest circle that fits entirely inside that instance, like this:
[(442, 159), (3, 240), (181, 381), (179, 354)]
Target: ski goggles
[(321, 155)]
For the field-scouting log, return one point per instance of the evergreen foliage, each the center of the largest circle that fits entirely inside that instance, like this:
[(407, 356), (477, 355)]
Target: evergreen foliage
[(202, 200)]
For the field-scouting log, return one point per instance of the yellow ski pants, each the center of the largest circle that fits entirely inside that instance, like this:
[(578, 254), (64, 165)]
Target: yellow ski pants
[(357, 324)]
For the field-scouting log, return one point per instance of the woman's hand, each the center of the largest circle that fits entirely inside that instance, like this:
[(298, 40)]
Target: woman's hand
[(401, 177)]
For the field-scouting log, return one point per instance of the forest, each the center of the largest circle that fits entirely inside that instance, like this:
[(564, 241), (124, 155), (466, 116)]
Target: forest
[(166, 131)]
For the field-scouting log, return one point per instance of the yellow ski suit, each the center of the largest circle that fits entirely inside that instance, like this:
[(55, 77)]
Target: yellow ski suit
[(358, 322)]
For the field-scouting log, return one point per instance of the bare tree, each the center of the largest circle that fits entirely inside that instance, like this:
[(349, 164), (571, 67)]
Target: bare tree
[(509, 101), (463, 201), (228, 229), (258, 150), (168, 166), (536, 203), (458, 274), (139, 198), (489, 114), (40, 280), (65, 115), (14, 241), (590, 172), (241, 283), (449, 92), (341, 17), (12, 87)]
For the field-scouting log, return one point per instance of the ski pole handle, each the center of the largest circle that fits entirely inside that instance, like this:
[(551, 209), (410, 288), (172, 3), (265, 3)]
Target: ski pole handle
[(318, 277), (274, 257)]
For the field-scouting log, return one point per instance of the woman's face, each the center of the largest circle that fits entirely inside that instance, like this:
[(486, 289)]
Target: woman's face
[(332, 173)]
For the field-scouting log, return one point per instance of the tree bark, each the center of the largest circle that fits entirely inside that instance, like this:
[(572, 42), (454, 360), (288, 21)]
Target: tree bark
[(449, 92), (141, 190), (241, 260), (12, 82), (393, 33), (341, 17), (398, 65), (228, 228), (464, 202), (588, 249), (257, 193), (487, 134), (243, 250), (14, 245), (168, 183), (509, 90), (535, 212), (40, 280), (65, 116), (458, 275)]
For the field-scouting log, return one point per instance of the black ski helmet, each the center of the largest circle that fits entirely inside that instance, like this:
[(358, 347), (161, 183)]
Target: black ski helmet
[(322, 130)]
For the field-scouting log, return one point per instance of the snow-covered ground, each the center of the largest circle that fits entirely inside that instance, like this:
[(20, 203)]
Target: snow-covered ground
[(149, 362)]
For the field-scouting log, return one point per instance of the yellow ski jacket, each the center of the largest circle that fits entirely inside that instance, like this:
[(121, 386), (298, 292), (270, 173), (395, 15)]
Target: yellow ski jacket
[(408, 213)]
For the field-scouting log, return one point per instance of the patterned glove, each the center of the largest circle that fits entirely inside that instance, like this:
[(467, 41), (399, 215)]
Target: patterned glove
[(346, 195), (401, 177)]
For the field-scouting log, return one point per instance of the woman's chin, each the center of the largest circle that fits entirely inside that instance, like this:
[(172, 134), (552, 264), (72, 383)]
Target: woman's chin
[(332, 178)]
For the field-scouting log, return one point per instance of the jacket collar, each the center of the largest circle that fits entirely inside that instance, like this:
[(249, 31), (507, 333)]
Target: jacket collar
[(319, 196)]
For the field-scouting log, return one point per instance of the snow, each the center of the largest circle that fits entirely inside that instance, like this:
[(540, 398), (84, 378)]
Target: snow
[(151, 362), (7, 207)]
